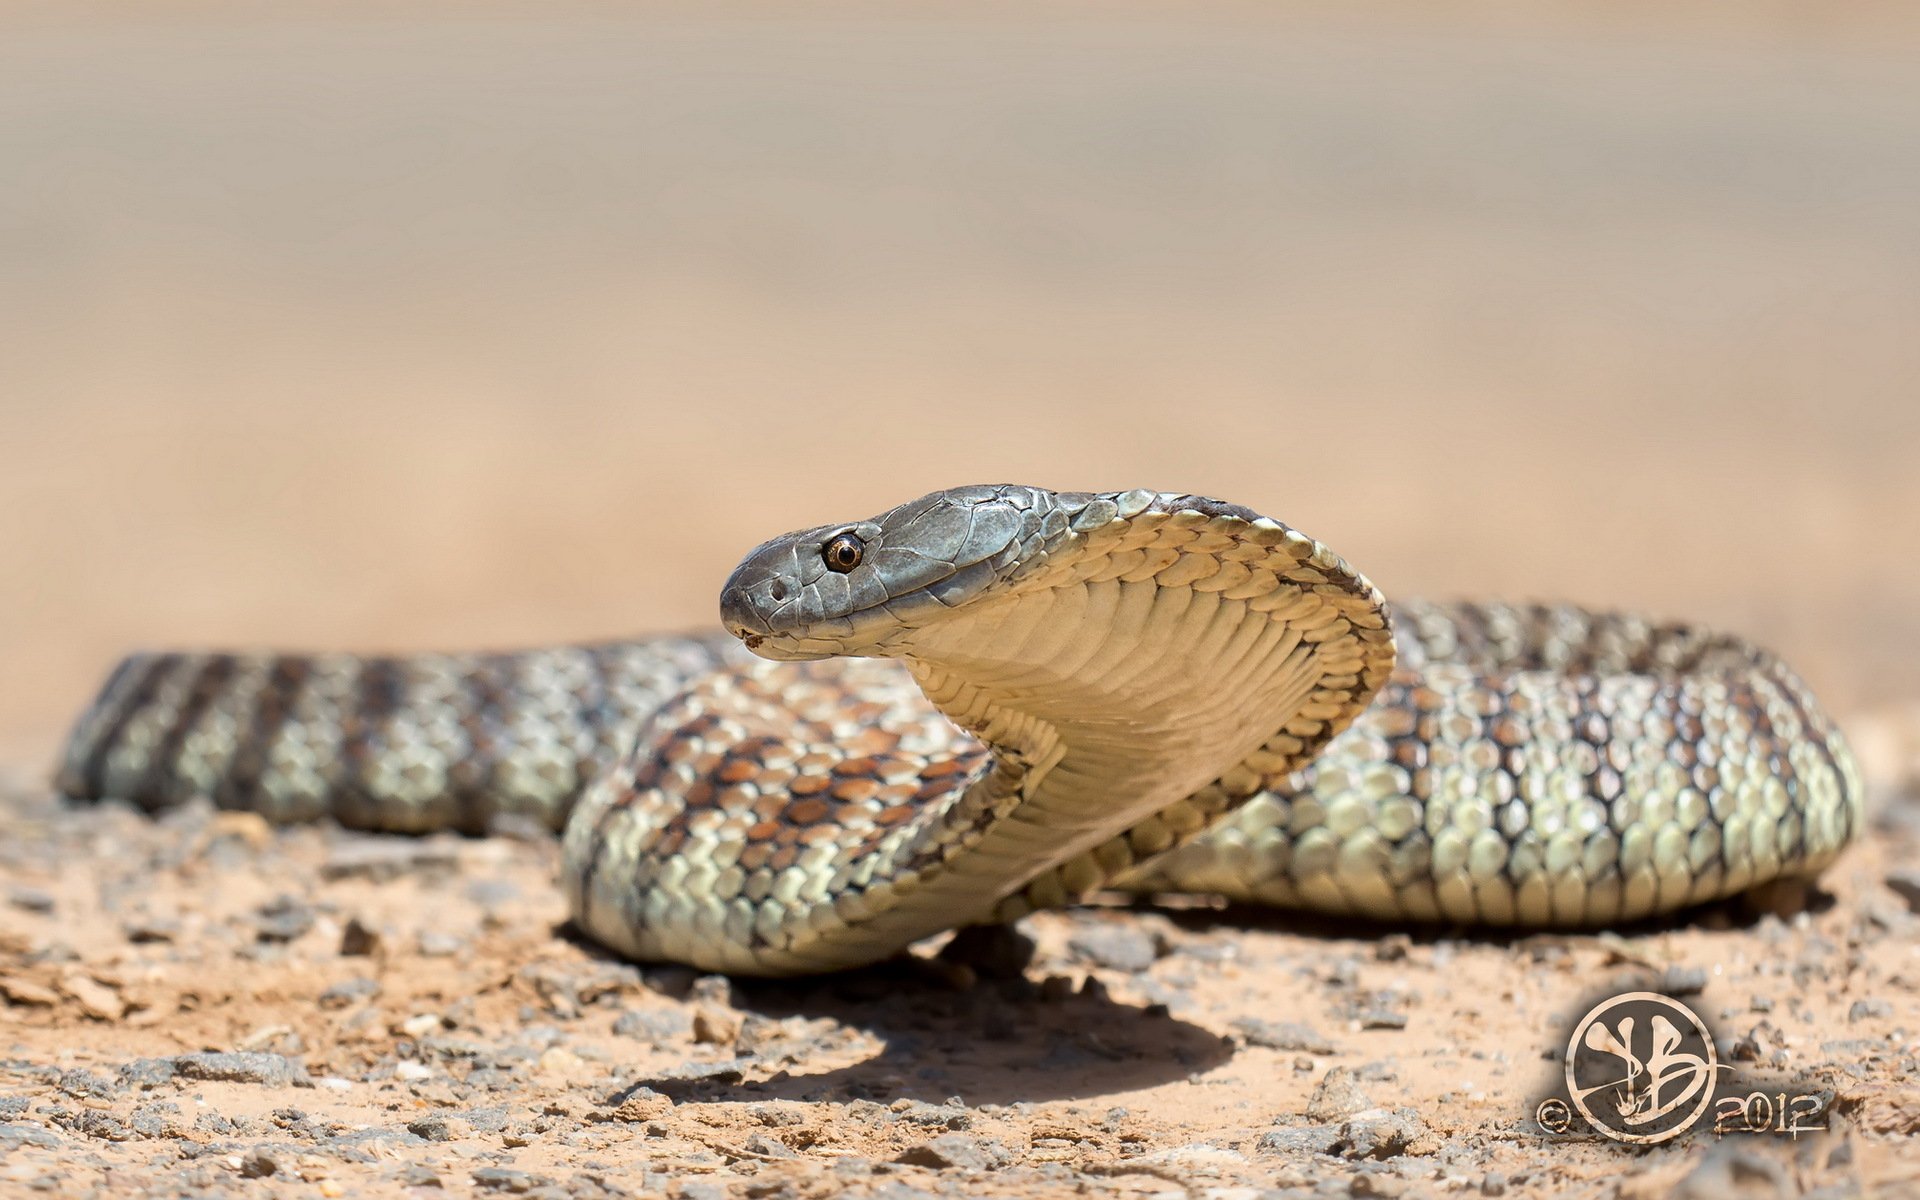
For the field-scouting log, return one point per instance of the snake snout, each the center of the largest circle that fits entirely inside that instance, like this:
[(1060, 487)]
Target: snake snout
[(739, 614)]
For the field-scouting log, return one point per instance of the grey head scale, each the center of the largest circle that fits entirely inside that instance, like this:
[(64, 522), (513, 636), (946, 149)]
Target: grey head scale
[(853, 588)]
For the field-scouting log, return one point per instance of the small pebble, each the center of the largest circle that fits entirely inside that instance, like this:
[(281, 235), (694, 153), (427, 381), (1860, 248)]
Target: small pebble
[(715, 1026), (258, 1164), (284, 919), (439, 1127), (28, 899), (358, 939), (1282, 1035), (1336, 1096), (502, 1179), (434, 944), (955, 1150), (1868, 1010), (1116, 947), (1905, 882), (274, 1070), (1684, 981)]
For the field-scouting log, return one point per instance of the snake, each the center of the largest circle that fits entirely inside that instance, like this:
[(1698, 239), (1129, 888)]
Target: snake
[(999, 699)]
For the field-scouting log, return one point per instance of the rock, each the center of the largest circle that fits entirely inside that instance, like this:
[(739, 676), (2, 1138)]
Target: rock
[(417, 1176), (13, 1136), (957, 1151), (1116, 947), (1283, 1035), (639, 1104), (558, 1060), (489, 894), (1868, 1010), (158, 1120), (29, 899), (145, 929), (95, 999), (434, 944), (767, 1147), (1684, 981), (258, 1164), (951, 1115), (1493, 1183), (1382, 1018), (146, 1073), (502, 1179), (1905, 882), (349, 992), (358, 939), (992, 951), (1304, 1139), (272, 1070), (82, 1085), (1372, 1184), (660, 1026), (1336, 1096), (438, 1127), (1395, 947), (381, 859), (102, 1126), (283, 919), (1384, 1133), (715, 1026), (27, 993)]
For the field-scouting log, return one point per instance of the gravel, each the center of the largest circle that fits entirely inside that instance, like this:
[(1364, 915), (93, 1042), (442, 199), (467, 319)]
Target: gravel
[(502, 1179), (1116, 947), (272, 1070), (1905, 882), (1383, 1134), (1683, 981), (957, 1151), (1283, 1035), (1336, 1096)]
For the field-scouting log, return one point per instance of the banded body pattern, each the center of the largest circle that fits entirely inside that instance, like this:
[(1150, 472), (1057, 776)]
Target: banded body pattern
[(991, 700), (413, 744), (1545, 766)]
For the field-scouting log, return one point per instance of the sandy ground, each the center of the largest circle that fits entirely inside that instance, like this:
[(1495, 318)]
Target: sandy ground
[(201, 1005)]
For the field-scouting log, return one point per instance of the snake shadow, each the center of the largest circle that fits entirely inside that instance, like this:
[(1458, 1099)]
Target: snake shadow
[(992, 1040)]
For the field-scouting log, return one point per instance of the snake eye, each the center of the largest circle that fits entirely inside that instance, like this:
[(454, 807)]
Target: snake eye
[(843, 553)]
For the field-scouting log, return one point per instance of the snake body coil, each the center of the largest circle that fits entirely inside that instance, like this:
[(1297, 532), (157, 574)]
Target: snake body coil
[(995, 699)]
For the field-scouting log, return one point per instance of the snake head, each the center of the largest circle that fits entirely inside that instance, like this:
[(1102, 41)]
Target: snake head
[(862, 587)]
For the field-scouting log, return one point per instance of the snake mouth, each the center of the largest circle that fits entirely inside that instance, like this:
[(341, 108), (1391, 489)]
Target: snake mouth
[(784, 647)]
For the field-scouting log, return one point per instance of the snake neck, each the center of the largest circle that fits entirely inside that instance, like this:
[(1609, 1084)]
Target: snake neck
[(1145, 680), (1103, 703)]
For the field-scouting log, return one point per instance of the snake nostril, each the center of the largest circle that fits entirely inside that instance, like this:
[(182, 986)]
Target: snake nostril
[(777, 591)]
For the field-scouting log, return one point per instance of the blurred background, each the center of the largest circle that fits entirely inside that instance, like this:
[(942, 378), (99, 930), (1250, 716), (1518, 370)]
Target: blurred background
[(413, 325)]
